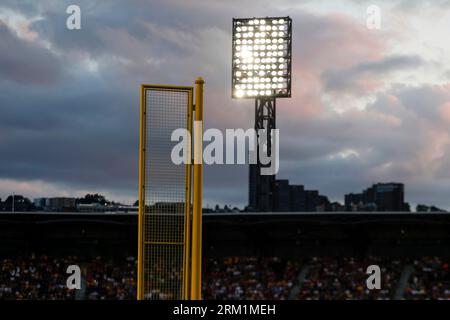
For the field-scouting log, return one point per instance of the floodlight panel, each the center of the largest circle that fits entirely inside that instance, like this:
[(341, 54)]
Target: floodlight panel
[(261, 57)]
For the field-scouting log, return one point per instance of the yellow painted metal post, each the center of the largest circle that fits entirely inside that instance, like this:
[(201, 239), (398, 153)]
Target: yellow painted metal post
[(196, 277), (187, 209), (140, 275)]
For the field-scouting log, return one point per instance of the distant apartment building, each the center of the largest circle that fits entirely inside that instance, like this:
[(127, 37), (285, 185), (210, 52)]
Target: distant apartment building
[(98, 207), (60, 204), (294, 198), (91, 207), (379, 197)]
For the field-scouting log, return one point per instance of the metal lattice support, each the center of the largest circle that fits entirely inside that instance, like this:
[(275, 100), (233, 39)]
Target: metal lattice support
[(261, 186), (164, 195)]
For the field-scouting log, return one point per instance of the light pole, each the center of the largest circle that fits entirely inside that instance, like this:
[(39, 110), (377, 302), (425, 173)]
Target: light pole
[(261, 70)]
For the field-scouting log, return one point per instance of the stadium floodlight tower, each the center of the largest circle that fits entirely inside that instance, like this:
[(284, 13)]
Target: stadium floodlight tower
[(261, 70)]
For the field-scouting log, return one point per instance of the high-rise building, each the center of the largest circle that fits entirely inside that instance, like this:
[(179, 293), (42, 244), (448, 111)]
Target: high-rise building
[(261, 190), (297, 198), (312, 200), (252, 192), (281, 198), (389, 196), (294, 198), (379, 197)]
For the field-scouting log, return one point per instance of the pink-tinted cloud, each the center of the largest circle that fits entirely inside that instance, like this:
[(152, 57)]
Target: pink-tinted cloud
[(26, 62), (321, 44)]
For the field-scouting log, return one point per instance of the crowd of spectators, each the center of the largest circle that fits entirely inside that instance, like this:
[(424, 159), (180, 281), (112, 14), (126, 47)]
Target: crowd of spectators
[(35, 277), (162, 281), (44, 278), (344, 278), (249, 278), (430, 279), (238, 278), (113, 279)]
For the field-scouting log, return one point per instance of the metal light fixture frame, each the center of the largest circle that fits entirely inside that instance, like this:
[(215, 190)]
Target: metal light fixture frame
[(288, 57)]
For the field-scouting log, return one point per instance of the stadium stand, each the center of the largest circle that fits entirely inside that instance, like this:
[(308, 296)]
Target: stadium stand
[(246, 256), (35, 277), (429, 280), (249, 278), (343, 278), (233, 278), (110, 279)]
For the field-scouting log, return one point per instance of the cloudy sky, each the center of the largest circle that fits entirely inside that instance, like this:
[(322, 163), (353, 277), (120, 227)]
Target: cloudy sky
[(368, 105)]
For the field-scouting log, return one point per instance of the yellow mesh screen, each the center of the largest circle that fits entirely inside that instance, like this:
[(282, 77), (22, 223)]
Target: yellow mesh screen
[(163, 230)]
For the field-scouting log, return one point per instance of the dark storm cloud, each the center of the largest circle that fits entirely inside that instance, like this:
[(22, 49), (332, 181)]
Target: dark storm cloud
[(352, 79), (81, 139), (24, 62), (425, 101), (79, 130), (83, 131), (404, 135)]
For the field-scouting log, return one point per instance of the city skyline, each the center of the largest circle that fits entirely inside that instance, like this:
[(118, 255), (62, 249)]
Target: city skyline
[(367, 105), (382, 197)]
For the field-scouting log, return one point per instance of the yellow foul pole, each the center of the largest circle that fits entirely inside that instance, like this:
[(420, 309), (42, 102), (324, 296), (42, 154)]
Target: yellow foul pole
[(140, 274), (196, 275)]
